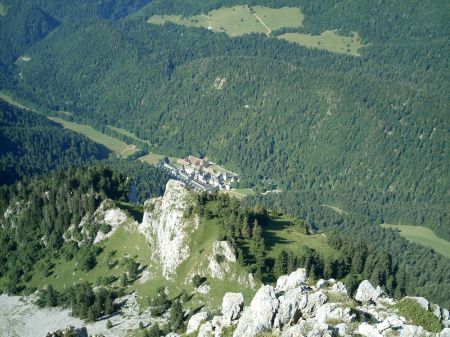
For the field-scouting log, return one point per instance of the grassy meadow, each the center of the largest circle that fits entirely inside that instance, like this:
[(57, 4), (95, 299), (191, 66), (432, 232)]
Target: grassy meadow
[(120, 148), (328, 40), (238, 20), (3, 9), (281, 234), (127, 134), (241, 20), (423, 236)]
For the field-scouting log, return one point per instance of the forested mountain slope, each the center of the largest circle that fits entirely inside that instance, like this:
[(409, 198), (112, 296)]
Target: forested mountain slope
[(23, 24), (31, 144), (369, 133), (366, 133)]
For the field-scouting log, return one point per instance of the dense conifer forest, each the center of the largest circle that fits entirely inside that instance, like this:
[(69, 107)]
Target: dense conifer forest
[(31, 144)]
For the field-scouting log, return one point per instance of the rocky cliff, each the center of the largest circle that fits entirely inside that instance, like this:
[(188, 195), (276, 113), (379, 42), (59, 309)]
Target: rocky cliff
[(167, 227), (294, 308)]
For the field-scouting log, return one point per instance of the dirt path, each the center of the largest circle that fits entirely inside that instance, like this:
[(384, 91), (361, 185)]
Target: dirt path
[(269, 31), (129, 148)]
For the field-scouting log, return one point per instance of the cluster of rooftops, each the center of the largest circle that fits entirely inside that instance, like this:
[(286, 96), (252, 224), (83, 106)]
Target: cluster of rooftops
[(200, 173)]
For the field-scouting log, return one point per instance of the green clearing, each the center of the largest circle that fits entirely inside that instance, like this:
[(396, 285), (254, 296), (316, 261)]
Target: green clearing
[(240, 193), (424, 237), (3, 9), (11, 100), (329, 40), (281, 234), (154, 158), (277, 18), (128, 134), (117, 146), (241, 20), (238, 20), (126, 241)]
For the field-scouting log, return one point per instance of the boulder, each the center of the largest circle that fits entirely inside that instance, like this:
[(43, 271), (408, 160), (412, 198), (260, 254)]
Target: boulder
[(204, 288), (413, 331), (365, 329), (341, 329), (206, 330), (436, 310), (232, 305), (445, 332), (333, 312), (259, 317), (366, 292), (321, 284), (322, 330), (172, 334), (195, 321), (291, 281), (395, 322), (314, 301), (294, 331), (289, 310), (339, 288), (423, 302)]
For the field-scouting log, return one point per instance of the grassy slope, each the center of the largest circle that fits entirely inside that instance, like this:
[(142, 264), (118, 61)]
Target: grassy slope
[(328, 40), (281, 235), (240, 20), (128, 134), (128, 242), (3, 9), (423, 236), (118, 147), (277, 18)]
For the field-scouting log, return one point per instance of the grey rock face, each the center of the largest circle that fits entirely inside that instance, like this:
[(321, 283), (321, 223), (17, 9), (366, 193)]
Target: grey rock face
[(291, 281), (232, 305), (195, 321), (259, 317), (332, 311), (314, 301), (291, 304), (366, 292)]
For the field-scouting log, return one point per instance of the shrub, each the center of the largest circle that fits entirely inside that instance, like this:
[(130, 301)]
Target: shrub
[(417, 315)]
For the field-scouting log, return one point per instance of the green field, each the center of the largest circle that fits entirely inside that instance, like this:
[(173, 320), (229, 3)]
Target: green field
[(11, 100), (241, 20), (128, 134), (117, 146), (238, 20), (3, 9), (281, 234), (277, 18), (423, 236), (328, 40), (154, 159)]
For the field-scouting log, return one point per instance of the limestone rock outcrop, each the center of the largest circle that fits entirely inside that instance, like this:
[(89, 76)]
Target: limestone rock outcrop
[(366, 292), (232, 306), (294, 309), (195, 321), (167, 228)]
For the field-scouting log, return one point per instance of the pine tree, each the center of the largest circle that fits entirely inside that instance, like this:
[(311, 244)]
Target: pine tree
[(281, 263), (176, 316)]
